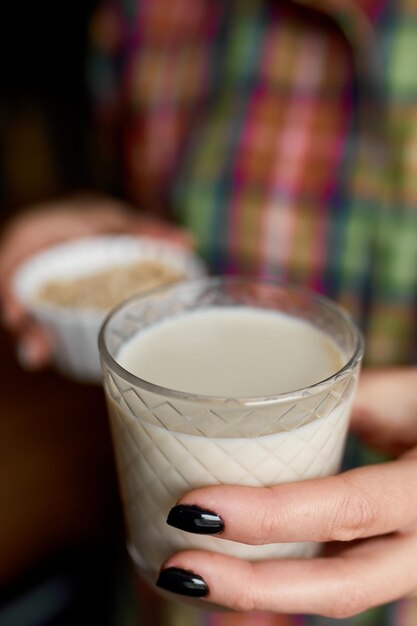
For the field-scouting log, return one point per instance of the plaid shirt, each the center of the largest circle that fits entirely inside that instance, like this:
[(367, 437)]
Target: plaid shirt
[(284, 135)]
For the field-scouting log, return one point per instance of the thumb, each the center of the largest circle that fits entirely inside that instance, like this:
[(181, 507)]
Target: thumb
[(384, 414)]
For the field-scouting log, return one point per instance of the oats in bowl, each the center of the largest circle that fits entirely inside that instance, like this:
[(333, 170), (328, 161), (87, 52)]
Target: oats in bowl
[(107, 288), (69, 289)]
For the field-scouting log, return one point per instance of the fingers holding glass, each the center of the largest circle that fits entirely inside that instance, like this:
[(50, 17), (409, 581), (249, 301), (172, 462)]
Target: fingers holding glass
[(363, 575), (370, 512), (363, 502)]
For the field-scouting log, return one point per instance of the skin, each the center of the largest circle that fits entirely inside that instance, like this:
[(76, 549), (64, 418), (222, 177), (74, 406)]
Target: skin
[(366, 517)]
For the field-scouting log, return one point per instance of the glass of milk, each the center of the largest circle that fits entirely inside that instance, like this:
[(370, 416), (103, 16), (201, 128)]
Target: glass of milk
[(223, 380)]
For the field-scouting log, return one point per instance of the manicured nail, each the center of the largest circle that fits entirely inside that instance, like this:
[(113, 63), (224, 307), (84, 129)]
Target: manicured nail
[(183, 582), (194, 519)]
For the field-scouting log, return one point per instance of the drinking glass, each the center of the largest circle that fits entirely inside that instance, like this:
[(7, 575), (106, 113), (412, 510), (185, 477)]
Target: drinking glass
[(168, 442)]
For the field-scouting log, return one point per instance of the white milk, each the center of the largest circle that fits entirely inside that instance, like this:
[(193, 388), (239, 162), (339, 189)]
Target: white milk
[(229, 352), (232, 352)]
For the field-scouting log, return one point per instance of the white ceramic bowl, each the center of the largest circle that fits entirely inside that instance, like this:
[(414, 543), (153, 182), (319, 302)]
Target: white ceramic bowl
[(74, 331)]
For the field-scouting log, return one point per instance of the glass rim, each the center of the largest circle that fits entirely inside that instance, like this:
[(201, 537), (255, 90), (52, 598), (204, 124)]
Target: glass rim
[(250, 401)]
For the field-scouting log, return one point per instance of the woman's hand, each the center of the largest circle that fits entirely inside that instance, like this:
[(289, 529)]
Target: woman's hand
[(366, 516), (45, 225)]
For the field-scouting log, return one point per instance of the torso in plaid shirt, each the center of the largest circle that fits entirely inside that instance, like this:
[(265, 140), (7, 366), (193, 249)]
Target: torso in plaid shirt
[(284, 135)]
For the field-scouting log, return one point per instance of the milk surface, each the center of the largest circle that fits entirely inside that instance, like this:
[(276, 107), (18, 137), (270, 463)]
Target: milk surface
[(232, 352), (222, 352)]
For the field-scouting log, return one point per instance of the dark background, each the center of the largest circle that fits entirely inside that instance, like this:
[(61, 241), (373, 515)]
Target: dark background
[(44, 112), (62, 560)]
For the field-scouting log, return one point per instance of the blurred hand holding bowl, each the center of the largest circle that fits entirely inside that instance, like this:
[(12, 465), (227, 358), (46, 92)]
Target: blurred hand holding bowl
[(70, 288)]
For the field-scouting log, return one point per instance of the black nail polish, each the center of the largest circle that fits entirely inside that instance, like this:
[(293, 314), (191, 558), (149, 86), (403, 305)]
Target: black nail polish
[(183, 582), (194, 519)]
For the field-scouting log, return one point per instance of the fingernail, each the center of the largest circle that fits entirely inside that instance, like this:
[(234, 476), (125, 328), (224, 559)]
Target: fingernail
[(183, 582), (194, 519)]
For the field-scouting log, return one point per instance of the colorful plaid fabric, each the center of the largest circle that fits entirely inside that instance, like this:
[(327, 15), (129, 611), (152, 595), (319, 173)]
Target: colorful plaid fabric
[(284, 135)]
